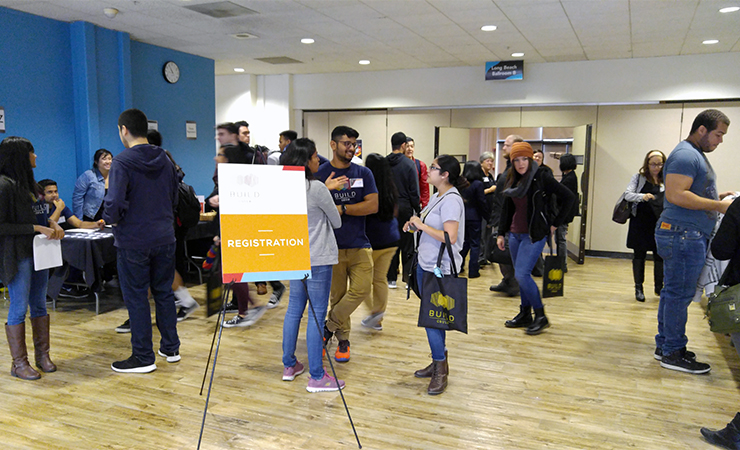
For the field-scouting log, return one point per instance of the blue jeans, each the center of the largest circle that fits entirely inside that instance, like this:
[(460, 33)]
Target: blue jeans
[(139, 270), (684, 251), (27, 288), (318, 289), (472, 244), (435, 337), (524, 254)]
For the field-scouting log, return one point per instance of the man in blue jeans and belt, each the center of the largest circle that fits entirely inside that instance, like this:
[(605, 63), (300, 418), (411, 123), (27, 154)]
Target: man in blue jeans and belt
[(140, 204), (682, 235)]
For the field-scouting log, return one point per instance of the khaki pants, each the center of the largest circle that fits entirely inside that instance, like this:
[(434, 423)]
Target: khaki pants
[(381, 261), (355, 265)]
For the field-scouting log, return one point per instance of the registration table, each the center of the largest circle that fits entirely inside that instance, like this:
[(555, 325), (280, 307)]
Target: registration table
[(88, 252)]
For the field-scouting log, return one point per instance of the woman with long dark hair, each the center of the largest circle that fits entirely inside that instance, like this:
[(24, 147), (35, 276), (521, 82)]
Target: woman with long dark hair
[(444, 213), (527, 219), (323, 217), (476, 210), (23, 213), (382, 231), (646, 192), (91, 186)]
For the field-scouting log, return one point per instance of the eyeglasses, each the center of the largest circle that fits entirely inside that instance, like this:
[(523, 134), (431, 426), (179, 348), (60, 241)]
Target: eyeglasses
[(220, 154), (348, 144), (433, 167), (656, 165)]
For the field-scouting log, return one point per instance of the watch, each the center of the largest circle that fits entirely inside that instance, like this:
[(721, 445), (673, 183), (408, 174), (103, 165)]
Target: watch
[(344, 209), (171, 72)]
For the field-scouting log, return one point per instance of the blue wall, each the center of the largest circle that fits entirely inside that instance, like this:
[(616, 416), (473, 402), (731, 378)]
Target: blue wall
[(36, 92), (192, 98), (64, 88)]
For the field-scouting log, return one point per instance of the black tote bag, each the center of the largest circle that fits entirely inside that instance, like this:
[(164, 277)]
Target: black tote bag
[(554, 276), (444, 299)]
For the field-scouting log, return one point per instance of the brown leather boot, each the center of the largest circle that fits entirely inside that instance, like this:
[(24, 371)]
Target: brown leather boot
[(17, 342), (40, 327), (438, 383), (427, 371)]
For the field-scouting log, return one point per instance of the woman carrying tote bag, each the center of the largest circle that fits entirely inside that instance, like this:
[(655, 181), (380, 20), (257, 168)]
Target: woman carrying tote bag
[(527, 219), (444, 213)]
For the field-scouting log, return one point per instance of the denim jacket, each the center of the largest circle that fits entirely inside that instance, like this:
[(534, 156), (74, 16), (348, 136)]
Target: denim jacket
[(88, 194)]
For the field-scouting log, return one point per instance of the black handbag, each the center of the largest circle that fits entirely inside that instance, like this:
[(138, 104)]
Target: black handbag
[(498, 256), (444, 300), (622, 210), (553, 276)]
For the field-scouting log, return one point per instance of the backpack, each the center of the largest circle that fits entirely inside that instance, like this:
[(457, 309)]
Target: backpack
[(187, 212)]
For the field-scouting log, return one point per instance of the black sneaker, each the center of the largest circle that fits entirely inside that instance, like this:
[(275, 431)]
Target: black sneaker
[(232, 307), (184, 312), (275, 298), (132, 365), (659, 354), (171, 357), (680, 362), (125, 327), (327, 334), (74, 292)]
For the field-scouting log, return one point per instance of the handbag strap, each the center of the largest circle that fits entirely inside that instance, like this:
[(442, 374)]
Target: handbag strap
[(442, 246)]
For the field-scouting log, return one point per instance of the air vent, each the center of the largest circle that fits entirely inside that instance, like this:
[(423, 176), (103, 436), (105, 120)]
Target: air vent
[(244, 36), (221, 10), (279, 60)]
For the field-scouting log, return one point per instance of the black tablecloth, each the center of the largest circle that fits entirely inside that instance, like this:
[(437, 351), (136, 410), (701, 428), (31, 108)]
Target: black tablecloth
[(87, 252)]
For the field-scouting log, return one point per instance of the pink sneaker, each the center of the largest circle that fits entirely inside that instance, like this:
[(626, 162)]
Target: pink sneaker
[(328, 383), (289, 373)]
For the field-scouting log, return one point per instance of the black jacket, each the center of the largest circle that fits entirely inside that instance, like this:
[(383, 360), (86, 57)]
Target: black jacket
[(498, 196), (407, 183), (16, 228), (726, 243), (476, 204), (539, 214), (570, 180)]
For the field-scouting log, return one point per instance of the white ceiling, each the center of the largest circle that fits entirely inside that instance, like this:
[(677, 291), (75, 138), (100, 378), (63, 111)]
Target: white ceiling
[(412, 34)]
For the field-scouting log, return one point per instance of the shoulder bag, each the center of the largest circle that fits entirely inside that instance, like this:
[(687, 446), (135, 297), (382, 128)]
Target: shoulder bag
[(622, 210)]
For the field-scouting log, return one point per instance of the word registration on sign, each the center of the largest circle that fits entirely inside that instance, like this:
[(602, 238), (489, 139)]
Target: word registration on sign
[(264, 223)]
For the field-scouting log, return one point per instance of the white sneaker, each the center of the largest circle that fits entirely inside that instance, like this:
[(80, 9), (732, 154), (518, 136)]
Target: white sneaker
[(373, 321), (254, 314), (275, 298), (392, 285)]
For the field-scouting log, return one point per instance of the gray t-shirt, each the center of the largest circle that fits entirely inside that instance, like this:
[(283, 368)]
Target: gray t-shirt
[(686, 160), (323, 217), (447, 208)]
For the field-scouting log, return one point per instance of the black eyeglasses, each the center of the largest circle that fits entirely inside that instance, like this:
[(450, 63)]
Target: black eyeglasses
[(433, 167)]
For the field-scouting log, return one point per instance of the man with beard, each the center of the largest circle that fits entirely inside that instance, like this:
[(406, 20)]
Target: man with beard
[(682, 234), (356, 197)]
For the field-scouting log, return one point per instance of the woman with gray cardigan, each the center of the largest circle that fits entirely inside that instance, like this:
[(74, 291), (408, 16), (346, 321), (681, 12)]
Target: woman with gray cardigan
[(646, 191), (323, 217)]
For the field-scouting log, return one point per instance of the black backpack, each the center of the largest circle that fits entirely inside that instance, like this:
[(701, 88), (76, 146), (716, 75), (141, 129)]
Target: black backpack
[(188, 206)]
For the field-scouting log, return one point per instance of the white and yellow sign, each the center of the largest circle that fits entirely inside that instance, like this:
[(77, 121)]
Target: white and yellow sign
[(264, 223)]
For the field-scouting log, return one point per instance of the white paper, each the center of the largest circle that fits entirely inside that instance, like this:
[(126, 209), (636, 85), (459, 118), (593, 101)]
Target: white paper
[(81, 230), (46, 253)]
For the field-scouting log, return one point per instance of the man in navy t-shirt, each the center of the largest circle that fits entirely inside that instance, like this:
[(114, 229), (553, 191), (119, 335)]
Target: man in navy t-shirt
[(59, 212), (353, 188), (682, 234)]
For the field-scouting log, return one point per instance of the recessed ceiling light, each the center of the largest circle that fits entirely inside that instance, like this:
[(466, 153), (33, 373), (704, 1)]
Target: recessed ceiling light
[(730, 9), (238, 69), (710, 41), (517, 54), (364, 62), (488, 28), (307, 41)]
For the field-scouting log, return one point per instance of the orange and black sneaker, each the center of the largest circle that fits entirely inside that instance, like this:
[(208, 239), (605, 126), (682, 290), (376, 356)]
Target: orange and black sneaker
[(342, 353)]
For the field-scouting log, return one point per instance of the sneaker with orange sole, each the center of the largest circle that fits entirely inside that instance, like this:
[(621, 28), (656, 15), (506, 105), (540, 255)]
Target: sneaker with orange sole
[(342, 353)]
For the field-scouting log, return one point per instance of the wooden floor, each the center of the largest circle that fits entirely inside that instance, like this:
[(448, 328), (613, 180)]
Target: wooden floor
[(588, 382)]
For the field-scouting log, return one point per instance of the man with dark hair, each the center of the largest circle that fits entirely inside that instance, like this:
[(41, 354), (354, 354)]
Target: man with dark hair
[(286, 137), (356, 197), (682, 234), (140, 204), (228, 134), (407, 184), (243, 129), (508, 285), (58, 210)]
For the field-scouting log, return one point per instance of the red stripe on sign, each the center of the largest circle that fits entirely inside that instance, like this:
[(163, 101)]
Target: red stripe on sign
[(293, 168), (229, 277)]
